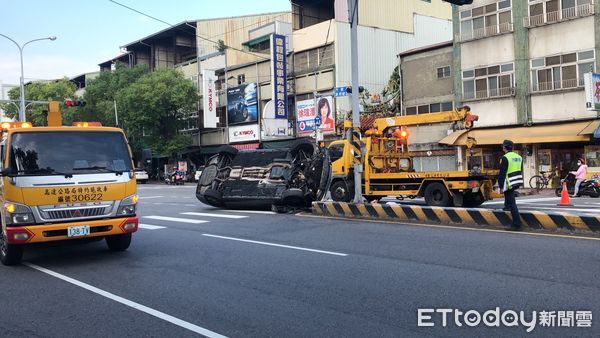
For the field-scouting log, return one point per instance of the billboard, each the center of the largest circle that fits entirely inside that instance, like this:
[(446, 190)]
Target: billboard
[(209, 97), (273, 128), (279, 75), (592, 91), (242, 104), (306, 115), (245, 133)]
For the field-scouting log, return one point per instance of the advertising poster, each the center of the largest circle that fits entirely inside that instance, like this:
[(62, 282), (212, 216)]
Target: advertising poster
[(592, 91), (209, 98), (306, 115), (242, 104), (243, 133)]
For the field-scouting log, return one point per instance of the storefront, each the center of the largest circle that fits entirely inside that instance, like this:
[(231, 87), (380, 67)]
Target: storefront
[(545, 148)]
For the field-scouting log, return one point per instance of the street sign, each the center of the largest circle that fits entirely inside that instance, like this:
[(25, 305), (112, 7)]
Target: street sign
[(317, 121), (341, 91)]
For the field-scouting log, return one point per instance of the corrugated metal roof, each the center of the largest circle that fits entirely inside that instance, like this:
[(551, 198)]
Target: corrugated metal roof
[(427, 48)]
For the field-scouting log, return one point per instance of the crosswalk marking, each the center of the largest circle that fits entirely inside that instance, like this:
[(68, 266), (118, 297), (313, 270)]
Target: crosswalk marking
[(176, 219), (150, 227), (213, 215)]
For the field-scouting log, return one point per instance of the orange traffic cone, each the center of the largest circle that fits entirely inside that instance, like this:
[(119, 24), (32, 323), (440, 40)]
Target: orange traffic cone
[(564, 197)]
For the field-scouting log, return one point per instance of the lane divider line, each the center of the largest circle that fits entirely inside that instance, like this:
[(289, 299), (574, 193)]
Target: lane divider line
[(176, 219), (127, 302), (213, 215), (149, 197), (254, 212), (276, 245), (150, 226)]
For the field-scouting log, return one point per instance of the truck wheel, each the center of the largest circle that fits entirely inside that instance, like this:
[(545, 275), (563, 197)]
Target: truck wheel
[(340, 192), (118, 242), (436, 195), (10, 254)]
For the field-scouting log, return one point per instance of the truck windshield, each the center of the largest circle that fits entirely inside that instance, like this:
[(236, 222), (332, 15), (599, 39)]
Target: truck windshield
[(67, 153)]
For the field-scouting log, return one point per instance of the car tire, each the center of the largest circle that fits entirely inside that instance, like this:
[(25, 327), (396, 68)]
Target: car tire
[(437, 195), (10, 254), (118, 242)]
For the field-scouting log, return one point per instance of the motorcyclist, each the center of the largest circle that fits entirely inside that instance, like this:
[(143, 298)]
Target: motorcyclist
[(580, 175)]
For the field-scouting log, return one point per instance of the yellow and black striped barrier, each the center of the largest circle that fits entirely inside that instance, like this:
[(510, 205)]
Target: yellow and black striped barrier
[(463, 216)]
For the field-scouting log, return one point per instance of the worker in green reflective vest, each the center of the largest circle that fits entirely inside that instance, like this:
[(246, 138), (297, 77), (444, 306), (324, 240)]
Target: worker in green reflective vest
[(509, 180)]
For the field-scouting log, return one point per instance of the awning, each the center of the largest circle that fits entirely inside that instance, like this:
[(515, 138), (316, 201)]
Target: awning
[(247, 146), (591, 128), (283, 144), (562, 132)]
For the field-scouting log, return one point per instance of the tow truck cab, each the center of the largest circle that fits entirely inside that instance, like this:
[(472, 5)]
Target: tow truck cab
[(65, 183)]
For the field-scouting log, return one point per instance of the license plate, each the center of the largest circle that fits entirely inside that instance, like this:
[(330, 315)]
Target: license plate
[(76, 231)]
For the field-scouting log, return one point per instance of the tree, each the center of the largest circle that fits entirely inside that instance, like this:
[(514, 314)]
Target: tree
[(221, 46), (102, 92), (152, 109), (39, 91)]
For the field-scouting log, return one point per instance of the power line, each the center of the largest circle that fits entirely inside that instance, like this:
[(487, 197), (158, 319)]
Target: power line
[(187, 32)]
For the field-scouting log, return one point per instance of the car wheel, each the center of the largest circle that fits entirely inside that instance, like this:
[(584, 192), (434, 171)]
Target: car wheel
[(118, 242), (10, 254)]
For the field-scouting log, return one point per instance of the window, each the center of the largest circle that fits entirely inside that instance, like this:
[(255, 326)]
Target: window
[(490, 81), (488, 20), (241, 79), (561, 71), (443, 72), (429, 108), (549, 11), (313, 59)]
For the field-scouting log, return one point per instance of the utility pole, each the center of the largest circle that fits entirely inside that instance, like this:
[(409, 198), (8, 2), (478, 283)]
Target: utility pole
[(116, 115), (353, 19)]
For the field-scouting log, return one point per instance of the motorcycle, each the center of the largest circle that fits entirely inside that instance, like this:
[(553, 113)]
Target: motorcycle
[(176, 178), (589, 188)]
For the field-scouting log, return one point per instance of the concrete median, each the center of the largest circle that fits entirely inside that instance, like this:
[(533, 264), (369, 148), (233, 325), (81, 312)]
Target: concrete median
[(550, 221)]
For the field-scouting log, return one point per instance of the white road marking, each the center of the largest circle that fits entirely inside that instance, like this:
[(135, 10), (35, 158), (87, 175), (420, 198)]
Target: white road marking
[(527, 200), (567, 209), (127, 302), (277, 245), (254, 212), (175, 219), (150, 227), (213, 215)]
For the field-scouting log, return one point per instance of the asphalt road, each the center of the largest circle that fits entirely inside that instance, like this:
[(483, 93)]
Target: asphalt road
[(244, 274)]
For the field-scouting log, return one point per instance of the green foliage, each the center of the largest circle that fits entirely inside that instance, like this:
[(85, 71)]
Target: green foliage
[(101, 93), (152, 107), (39, 91), (221, 46)]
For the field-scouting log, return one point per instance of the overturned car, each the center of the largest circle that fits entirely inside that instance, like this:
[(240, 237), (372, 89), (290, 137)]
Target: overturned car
[(280, 179)]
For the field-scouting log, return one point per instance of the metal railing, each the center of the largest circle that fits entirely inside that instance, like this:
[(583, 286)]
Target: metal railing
[(557, 85), (486, 32), (556, 16)]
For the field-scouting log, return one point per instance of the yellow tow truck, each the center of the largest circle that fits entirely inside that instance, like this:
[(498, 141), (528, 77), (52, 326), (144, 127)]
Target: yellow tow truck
[(64, 183), (388, 166)]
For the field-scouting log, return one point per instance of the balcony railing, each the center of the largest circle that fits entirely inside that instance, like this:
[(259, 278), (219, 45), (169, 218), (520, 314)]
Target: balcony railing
[(485, 32), (565, 14), (557, 85), (489, 93)]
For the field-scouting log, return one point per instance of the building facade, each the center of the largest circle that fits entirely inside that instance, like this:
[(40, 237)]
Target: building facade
[(520, 66)]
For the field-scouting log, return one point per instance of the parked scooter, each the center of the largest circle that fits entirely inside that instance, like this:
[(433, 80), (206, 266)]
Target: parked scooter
[(589, 188)]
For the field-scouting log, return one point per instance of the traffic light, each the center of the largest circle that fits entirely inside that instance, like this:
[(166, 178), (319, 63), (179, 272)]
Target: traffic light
[(360, 89), (74, 103), (459, 2)]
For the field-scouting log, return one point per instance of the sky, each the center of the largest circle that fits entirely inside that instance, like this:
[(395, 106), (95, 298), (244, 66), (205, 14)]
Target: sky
[(90, 31)]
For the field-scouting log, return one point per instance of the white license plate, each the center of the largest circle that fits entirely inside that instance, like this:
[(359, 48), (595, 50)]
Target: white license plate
[(76, 231)]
